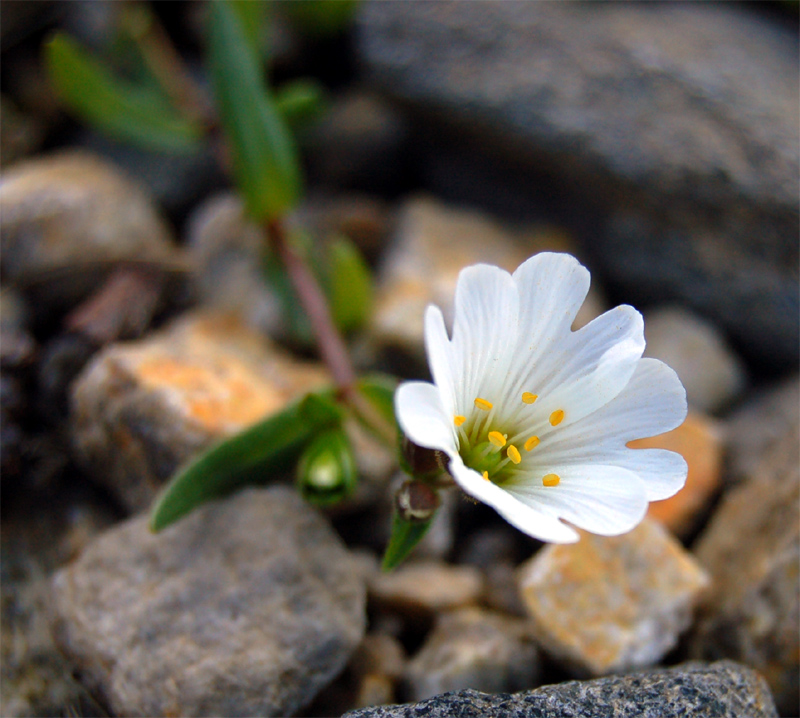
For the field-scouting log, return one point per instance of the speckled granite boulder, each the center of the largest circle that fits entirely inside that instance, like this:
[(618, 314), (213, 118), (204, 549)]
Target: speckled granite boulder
[(692, 690)]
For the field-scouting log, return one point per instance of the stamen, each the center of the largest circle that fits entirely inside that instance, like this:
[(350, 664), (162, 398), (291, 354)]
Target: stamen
[(483, 404), (551, 480), (532, 443), (529, 398), (497, 439), (556, 417), (513, 453), (486, 475), (458, 420)]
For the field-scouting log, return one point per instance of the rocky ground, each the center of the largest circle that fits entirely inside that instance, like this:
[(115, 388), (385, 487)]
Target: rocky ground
[(656, 142)]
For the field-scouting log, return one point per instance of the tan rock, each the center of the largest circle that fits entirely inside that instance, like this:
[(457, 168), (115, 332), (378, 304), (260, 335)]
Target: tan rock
[(751, 548), (66, 219), (699, 441), (474, 648), (432, 244), (606, 605), (426, 587), (140, 409)]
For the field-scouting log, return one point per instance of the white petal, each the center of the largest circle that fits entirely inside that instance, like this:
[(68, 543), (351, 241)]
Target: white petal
[(594, 366), (440, 359), (524, 515), (484, 332), (422, 418), (605, 500), (653, 402), (552, 288)]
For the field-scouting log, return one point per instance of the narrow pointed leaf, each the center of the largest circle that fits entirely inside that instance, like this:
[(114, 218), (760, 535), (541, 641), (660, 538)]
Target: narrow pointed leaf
[(405, 535), (252, 456), (264, 156), (137, 114), (300, 102), (349, 285), (379, 390)]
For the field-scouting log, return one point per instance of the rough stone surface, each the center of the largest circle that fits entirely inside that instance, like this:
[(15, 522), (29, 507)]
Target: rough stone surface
[(432, 243), (67, 218), (692, 690), (606, 605), (758, 425), (249, 606), (225, 250), (426, 587), (679, 120), (711, 373), (699, 441), (474, 648), (751, 548), (140, 409)]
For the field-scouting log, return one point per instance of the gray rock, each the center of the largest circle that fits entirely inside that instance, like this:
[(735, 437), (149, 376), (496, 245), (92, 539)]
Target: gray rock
[(249, 606), (142, 408), (355, 142), (225, 249), (611, 604), (691, 690), (759, 424), (711, 373), (67, 219), (678, 120), (474, 648), (751, 548)]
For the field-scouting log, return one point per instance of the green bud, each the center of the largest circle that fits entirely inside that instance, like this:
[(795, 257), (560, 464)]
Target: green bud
[(327, 472)]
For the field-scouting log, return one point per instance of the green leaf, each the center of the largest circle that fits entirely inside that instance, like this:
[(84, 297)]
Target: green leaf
[(300, 102), (327, 471), (251, 15), (349, 285), (139, 114), (264, 156), (379, 391), (251, 456), (405, 535)]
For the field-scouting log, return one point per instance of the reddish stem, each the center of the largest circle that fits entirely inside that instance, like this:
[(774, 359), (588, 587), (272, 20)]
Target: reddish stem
[(330, 342)]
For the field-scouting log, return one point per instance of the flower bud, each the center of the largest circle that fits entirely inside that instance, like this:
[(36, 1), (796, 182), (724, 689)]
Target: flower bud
[(416, 501), (420, 461), (327, 471)]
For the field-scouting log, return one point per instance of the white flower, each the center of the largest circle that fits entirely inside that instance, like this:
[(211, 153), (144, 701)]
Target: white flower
[(534, 417)]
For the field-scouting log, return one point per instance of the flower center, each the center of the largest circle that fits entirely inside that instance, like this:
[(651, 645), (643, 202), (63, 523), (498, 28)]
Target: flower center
[(485, 447)]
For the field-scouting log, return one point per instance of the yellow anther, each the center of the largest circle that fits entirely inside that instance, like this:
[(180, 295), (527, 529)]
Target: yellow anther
[(557, 417), (529, 398), (497, 439), (532, 443), (483, 404), (551, 480), (458, 420), (486, 475), (513, 454)]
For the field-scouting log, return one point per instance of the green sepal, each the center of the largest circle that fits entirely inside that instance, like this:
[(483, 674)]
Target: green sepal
[(137, 113), (405, 536), (264, 156), (253, 456), (349, 285), (327, 470)]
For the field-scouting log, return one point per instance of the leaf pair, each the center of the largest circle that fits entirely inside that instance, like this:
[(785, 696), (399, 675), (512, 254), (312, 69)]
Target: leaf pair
[(310, 427)]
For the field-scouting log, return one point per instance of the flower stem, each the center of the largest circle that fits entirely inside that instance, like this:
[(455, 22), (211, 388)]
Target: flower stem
[(329, 341)]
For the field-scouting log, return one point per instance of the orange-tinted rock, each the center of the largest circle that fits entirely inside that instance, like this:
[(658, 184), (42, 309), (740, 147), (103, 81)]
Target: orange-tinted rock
[(140, 409), (699, 441), (606, 605)]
